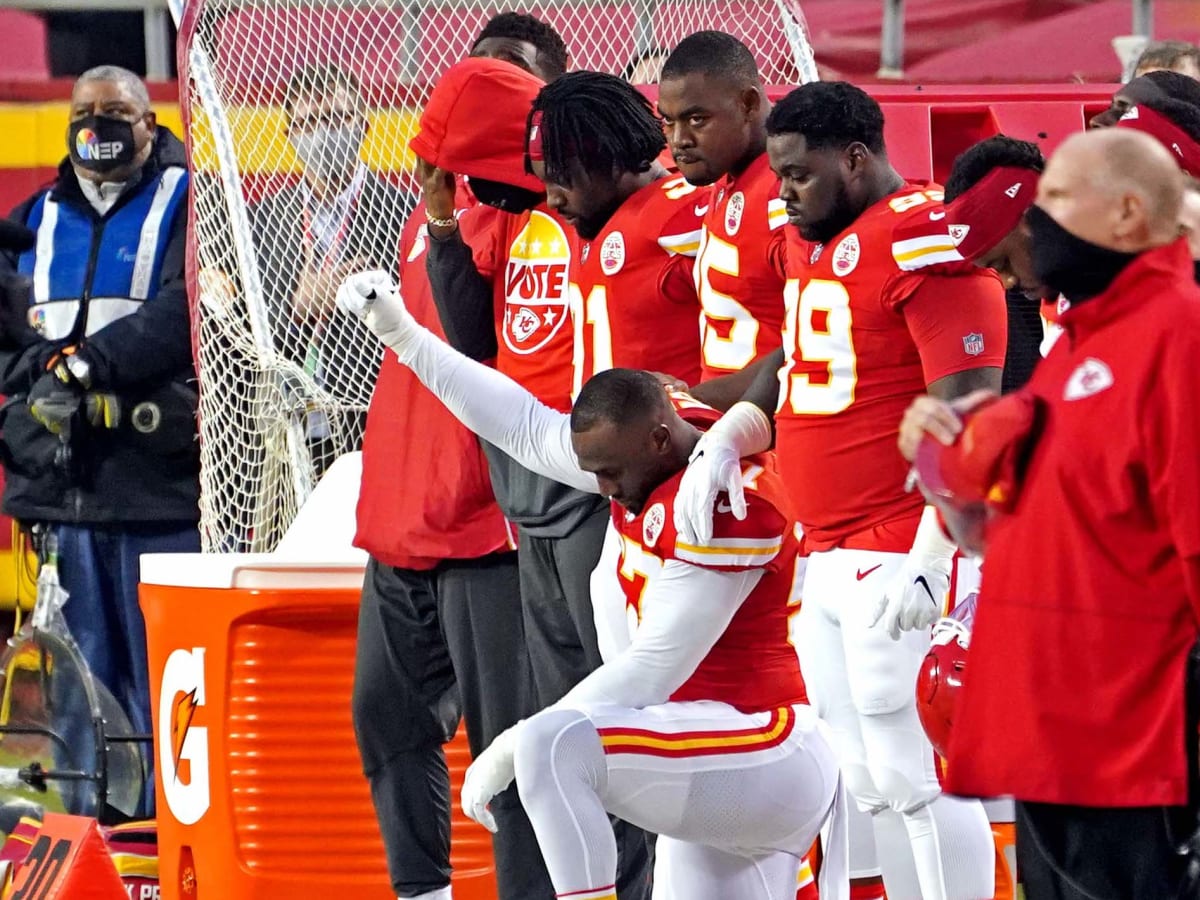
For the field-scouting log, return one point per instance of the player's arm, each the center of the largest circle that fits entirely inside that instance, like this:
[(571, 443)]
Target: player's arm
[(461, 293), (715, 466), (493, 406), (463, 297), (726, 390), (959, 324), (685, 610), (960, 327)]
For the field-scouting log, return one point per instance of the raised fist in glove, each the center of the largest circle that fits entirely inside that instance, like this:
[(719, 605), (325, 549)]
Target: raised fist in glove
[(715, 467), (916, 595), (490, 774), (374, 298)]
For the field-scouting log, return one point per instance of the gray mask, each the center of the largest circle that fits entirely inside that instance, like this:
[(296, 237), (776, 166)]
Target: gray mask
[(329, 152)]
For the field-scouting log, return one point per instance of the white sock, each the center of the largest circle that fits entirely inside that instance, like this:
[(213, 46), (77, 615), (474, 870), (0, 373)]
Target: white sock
[(439, 894)]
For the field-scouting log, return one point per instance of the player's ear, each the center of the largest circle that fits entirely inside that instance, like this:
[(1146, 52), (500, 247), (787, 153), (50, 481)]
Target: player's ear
[(660, 440), (752, 101), (854, 157)]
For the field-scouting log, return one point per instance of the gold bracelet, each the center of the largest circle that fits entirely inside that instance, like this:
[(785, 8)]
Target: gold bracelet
[(449, 222)]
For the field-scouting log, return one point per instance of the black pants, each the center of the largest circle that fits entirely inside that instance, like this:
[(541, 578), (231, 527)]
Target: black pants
[(1086, 853), (560, 632), (433, 646)]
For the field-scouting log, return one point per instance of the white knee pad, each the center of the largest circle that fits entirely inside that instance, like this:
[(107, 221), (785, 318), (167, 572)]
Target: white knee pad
[(558, 743), (902, 791), (900, 759), (862, 788)]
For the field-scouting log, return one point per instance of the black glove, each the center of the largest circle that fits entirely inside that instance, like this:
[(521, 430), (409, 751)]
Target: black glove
[(53, 404)]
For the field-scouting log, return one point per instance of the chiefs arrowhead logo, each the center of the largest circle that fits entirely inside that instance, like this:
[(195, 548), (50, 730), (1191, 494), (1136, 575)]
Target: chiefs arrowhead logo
[(1090, 378), (958, 232)]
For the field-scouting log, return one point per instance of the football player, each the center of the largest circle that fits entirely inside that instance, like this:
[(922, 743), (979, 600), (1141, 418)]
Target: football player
[(594, 140), (715, 111), (732, 772), (881, 308)]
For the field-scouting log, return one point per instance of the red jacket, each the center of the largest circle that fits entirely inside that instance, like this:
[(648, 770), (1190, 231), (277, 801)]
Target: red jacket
[(1074, 688), (426, 495)]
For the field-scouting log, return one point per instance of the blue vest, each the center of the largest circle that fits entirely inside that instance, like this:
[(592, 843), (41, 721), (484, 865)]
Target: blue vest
[(128, 258)]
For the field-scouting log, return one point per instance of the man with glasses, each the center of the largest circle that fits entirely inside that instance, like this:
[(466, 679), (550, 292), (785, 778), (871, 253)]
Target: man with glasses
[(340, 218)]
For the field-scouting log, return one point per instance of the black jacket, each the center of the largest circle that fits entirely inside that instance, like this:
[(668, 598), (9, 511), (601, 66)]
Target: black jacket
[(113, 475)]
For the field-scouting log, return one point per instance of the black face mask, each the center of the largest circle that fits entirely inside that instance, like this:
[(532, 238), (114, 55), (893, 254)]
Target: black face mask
[(100, 143), (1073, 267), (506, 196)]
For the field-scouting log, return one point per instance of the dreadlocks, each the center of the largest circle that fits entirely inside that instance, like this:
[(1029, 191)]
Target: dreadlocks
[(598, 120)]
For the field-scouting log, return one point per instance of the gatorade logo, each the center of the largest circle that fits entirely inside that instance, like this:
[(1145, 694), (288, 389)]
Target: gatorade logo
[(89, 146), (183, 745), (535, 285)]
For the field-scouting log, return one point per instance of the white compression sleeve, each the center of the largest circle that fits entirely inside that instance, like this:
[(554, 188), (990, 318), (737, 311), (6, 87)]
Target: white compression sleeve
[(497, 409), (684, 611)]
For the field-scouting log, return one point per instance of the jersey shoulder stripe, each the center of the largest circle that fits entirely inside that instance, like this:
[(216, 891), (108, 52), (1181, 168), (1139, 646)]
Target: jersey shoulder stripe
[(776, 213), (741, 552)]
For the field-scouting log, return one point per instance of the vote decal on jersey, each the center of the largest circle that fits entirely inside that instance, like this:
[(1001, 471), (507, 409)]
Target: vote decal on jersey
[(845, 256), (612, 253), (733, 213), (652, 524), (535, 285)]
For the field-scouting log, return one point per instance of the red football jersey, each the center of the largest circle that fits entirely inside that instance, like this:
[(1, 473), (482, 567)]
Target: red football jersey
[(756, 640), (535, 340), (885, 309), (633, 300), (740, 270), (426, 494)]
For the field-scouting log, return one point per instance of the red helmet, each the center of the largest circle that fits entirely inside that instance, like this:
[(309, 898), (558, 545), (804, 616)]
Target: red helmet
[(940, 681)]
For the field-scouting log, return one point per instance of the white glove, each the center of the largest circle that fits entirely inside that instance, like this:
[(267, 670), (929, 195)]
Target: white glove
[(916, 595), (490, 774), (715, 466), (374, 298)]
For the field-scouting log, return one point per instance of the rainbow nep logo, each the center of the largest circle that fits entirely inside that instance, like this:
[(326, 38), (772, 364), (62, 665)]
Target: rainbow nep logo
[(89, 146)]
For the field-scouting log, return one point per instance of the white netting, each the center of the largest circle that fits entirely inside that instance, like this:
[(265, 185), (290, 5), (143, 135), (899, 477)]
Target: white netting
[(285, 380)]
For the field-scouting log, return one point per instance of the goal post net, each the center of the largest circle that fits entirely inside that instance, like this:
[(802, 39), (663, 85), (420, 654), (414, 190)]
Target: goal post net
[(284, 379)]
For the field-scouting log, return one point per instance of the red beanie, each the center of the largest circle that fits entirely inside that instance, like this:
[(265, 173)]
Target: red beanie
[(474, 122)]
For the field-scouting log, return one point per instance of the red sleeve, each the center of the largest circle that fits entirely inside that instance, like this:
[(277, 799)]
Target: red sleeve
[(777, 251), (958, 322), (755, 542), (485, 230), (676, 283)]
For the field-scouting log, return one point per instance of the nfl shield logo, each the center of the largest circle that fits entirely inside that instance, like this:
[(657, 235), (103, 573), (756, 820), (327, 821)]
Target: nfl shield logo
[(973, 343)]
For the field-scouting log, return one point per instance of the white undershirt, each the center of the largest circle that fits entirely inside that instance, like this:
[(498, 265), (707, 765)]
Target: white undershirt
[(102, 196)]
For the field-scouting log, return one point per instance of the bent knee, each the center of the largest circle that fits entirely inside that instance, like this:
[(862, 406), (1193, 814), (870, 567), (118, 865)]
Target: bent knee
[(557, 743), (902, 791)]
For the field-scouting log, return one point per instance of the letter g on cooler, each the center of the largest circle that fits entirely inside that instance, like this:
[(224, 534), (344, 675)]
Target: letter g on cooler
[(183, 745)]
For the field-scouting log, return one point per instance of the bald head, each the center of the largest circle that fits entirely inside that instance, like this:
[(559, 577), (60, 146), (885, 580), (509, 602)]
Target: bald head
[(1115, 187)]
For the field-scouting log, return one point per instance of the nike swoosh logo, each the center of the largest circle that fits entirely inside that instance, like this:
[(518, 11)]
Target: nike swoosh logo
[(861, 574), (701, 210), (936, 216), (925, 584), (723, 507)]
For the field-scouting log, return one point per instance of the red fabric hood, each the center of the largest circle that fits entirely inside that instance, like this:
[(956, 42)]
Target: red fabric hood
[(474, 122)]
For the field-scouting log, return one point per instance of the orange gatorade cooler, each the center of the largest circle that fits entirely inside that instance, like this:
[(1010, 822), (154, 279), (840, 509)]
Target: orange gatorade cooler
[(259, 786)]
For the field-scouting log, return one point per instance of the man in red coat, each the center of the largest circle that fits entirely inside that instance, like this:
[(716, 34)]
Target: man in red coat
[(1074, 693)]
